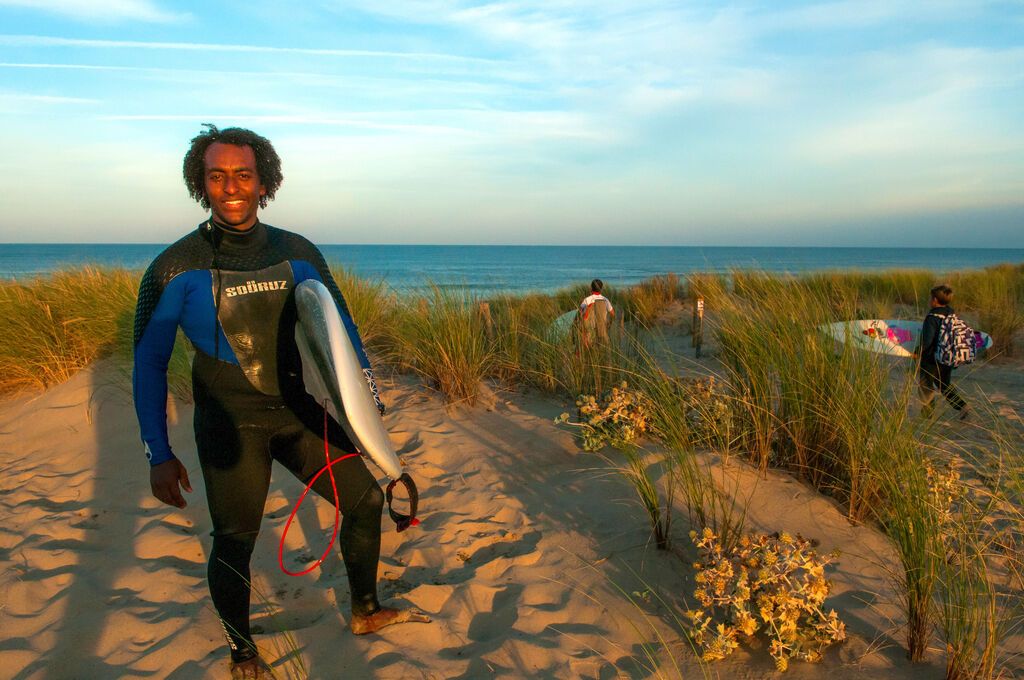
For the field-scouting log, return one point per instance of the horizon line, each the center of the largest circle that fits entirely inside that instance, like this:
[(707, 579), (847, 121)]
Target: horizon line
[(529, 245)]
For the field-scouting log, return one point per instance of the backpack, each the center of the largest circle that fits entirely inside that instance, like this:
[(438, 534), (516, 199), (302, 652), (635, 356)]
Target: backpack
[(955, 345)]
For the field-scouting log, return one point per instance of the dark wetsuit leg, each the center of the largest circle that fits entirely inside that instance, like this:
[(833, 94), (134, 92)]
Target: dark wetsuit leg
[(360, 501), (236, 494), (231, 421), (239, 432)]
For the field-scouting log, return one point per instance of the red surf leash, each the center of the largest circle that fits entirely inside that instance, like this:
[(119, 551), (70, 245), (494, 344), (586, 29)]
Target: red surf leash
[(402, 521), (337, 513)]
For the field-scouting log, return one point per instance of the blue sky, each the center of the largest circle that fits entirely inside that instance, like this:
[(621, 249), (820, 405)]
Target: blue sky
[(841, 123)]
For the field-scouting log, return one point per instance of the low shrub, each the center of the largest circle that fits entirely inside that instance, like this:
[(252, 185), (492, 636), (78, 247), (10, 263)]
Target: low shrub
[(774, 584)]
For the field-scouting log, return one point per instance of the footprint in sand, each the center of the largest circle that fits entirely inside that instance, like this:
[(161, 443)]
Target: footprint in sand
[(510, 546)]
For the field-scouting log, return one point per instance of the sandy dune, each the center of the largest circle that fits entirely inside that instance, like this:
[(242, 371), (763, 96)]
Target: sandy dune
[(523, 541)]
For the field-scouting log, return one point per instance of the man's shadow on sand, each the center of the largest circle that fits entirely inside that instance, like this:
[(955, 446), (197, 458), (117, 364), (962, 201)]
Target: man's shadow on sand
[(120, 514), (108, 548)]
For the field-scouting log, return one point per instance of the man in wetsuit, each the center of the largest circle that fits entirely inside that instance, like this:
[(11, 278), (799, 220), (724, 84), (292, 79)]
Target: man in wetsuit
[(228, 285)]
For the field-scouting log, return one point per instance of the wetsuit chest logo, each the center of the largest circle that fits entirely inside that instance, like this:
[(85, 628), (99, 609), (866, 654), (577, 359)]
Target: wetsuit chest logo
[(250, 315), (254, 286)]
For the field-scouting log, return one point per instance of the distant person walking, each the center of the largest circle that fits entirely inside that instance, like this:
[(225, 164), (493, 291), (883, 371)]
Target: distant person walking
[(933, 376), (595, 315)]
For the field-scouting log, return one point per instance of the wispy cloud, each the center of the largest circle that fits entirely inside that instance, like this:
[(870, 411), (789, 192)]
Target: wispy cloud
[(43, 99), (520, 127), (34, 105), (394, 87), (53, 41), (298, 120), (82, 67), (616, 55), (103, 10), (926, 102), (847, 14)]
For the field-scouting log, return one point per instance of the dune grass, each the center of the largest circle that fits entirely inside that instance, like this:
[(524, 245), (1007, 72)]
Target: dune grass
[(994, 299), (980, 599), (60, 323), (842, 420), (56, 325), (645, 302), (688, 420), (802, 401), (442, 337)]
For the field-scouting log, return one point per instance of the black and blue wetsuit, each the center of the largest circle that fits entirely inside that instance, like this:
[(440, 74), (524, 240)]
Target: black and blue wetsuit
[(232, 294)]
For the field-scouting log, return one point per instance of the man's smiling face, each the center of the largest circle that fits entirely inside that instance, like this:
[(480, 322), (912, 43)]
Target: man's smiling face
[(233, 187)]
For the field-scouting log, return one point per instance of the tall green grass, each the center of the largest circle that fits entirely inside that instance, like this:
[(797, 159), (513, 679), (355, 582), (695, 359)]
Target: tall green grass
[(888, 294), (972, 613), (60, 323), (56, 325), (834, 416), (981, 586), (442, 337), (647, 301), (914, 524), (692, 434), (842, 419), (526, 346), (994, 297), (791, 398)]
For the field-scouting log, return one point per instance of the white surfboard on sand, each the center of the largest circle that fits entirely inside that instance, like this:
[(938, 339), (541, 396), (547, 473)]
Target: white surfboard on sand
[(894, 337), (332, 375)]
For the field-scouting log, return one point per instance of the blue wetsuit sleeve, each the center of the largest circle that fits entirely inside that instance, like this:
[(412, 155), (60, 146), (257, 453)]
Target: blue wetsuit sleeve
[(153, 346)]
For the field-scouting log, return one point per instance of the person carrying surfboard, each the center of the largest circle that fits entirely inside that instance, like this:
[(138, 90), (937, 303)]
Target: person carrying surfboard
[(933, 376), (594, 315), (229, 286)]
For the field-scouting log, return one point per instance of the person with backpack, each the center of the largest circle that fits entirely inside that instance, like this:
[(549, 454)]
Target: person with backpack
[(946, 342), (594, 315)]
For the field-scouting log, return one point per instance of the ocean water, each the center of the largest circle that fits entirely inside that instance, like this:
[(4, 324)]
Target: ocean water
[(533, 268)]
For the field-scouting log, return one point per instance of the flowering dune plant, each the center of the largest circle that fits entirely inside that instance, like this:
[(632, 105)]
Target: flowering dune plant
[(774, 584), (618, 418)]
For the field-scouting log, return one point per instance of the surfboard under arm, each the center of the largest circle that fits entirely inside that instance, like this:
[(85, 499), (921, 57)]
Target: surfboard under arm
[(332, 374)]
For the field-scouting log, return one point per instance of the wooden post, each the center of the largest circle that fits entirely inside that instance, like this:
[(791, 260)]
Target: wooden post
[(698, 324)]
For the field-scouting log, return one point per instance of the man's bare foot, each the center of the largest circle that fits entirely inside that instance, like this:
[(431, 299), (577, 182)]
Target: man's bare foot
[(385, 616), (254, 668)]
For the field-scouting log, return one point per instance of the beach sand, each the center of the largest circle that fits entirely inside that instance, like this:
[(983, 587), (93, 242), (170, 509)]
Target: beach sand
[(524, 545)]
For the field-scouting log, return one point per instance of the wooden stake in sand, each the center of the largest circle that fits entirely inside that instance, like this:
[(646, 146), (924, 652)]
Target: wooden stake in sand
[(698, 324)]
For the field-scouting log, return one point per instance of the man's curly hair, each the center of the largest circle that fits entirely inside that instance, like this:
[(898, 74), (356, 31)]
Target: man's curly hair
[(268, 164)]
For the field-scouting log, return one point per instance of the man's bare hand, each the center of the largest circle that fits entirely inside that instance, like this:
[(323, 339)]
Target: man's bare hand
[(164, 479)]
